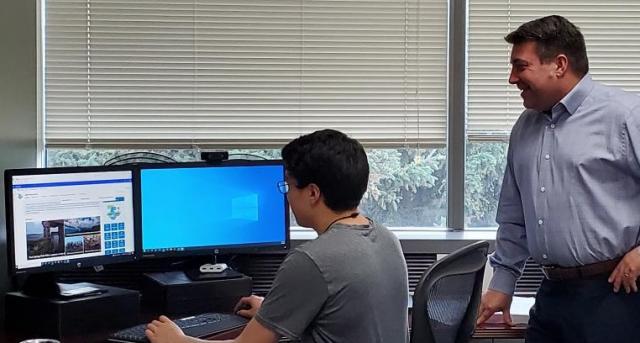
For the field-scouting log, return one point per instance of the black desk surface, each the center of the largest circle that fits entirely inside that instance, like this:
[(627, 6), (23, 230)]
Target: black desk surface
[(97, 337), (492, 329)]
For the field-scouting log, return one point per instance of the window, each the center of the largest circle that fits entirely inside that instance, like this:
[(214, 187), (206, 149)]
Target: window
[(241, 73), (611, 31), (407, 187), (184, 75), (175, 77)]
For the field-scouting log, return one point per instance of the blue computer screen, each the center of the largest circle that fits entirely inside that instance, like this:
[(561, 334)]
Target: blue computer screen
[(207, 207)]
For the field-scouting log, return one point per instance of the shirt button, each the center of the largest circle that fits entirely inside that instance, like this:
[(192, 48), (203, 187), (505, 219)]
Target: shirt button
[(540, 222), (544, 256), (547, 156), (553, 126), (542, 189)]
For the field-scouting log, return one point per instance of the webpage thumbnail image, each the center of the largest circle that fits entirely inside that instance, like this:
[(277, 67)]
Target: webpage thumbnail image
[(58, 237)]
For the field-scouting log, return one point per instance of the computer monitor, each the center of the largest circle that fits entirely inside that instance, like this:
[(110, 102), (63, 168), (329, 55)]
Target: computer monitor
[(199, 208), (69, 218)]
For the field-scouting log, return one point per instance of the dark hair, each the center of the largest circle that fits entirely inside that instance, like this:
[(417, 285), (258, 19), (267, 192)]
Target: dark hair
[(334, 162), (554, 35)]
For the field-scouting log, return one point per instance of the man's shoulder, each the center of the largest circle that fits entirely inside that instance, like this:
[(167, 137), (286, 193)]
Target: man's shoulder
[(620, 101), (341, 240), (299, 258), (527, 119), (527, 115)]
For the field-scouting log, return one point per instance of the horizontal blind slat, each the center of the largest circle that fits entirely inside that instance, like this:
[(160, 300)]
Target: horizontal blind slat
[(120, 73)]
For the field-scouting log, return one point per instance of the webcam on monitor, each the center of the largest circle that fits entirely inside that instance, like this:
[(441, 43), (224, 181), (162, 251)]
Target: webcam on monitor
[(214, 156)]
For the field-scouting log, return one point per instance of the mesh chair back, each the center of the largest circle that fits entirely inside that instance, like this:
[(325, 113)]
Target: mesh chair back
[(445, 301)]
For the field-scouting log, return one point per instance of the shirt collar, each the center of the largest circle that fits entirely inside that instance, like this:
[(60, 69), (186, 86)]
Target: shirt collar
[(576, 96)]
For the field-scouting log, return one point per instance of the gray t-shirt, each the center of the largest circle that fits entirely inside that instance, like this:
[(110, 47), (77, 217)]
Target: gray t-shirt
[(348, 285)]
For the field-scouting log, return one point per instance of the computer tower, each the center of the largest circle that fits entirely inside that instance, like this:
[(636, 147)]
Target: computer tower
[(175, 294), (114, 309)]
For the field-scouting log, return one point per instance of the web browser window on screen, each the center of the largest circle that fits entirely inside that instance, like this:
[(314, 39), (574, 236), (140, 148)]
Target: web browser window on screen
[(60, 217)]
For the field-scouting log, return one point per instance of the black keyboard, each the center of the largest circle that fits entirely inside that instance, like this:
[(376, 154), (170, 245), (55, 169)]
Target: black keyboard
[(201, 325)]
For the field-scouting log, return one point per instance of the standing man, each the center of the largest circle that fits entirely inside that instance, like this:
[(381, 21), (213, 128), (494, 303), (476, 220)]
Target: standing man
[(349, 284), (571, 194)]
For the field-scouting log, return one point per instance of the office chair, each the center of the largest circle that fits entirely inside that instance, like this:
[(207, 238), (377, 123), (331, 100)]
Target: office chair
[(446, 300)]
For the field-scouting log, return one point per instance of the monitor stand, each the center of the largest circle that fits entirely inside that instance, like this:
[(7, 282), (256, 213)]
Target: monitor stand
[(45, 285)]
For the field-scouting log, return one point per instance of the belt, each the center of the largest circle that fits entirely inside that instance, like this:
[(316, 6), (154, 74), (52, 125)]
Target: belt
[(557, 273)]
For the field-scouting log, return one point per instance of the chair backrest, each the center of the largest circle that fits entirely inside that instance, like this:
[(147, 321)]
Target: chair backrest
[(446, 300)]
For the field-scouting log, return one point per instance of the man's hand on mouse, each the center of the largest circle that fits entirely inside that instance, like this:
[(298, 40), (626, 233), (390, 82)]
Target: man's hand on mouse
[(248, 306)]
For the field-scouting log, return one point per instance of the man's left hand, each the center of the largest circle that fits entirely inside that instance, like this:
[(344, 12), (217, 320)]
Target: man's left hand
[(627, 272)]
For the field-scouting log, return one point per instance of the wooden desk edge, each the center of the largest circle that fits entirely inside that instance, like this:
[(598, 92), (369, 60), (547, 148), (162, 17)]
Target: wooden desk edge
[(495, 328)]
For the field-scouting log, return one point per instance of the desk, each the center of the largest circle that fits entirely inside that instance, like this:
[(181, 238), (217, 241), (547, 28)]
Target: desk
[(100, 337), (494, 331)]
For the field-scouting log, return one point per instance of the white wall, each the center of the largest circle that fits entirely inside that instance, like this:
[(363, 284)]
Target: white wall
[(18, 103)]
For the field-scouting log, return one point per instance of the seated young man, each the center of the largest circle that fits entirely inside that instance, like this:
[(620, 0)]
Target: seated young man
[(349, 284)]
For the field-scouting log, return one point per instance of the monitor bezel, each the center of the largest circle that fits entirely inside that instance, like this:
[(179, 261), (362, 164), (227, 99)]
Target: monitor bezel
[(207, 250), (73, 264)]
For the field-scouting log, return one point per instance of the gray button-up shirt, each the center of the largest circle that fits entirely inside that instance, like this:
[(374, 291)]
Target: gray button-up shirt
[(571, 189)]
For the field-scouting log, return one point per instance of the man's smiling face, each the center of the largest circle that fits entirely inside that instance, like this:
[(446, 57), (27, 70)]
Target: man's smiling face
[(536, 79)]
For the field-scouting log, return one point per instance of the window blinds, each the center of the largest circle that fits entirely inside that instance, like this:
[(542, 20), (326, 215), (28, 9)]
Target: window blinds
[(612, 34), (243, 73)]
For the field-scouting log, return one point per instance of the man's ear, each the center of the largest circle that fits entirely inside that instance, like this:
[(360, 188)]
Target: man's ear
[(562, 65), (314, 194)]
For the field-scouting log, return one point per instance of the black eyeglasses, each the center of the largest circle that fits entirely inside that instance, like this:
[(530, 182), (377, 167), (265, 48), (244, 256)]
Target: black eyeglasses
[(283, 187)]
